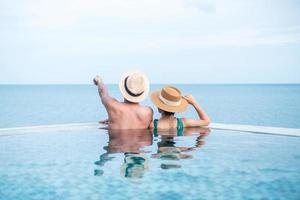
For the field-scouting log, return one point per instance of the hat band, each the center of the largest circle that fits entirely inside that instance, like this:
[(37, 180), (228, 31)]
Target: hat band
[(128, 91), (168, 102)]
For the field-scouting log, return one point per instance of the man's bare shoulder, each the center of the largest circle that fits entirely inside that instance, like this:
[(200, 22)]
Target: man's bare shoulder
[(113, 102), (147, 110), (143, 110)]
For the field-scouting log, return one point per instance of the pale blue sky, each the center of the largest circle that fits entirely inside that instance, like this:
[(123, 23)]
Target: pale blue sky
[(172, 41)]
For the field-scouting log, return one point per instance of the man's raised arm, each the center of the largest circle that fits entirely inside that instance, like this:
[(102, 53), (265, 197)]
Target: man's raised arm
[(105, 98)]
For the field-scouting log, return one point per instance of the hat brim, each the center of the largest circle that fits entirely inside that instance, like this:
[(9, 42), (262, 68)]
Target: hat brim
[(156, 100), (128, 96)]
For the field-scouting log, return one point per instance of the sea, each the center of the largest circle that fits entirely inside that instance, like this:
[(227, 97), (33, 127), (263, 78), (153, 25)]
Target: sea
[(276, 105)]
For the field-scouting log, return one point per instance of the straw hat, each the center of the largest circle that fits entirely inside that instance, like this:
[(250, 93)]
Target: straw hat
[(134, 86), (169, 99)]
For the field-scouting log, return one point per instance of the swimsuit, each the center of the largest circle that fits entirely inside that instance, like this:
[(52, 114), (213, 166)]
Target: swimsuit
[(179, 127)]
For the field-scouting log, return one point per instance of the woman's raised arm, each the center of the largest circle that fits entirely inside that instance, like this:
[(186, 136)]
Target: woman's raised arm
[(203, 117)]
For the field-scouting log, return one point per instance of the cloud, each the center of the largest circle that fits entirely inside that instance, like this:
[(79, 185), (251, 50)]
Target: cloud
[(62, 13), (98, 45), (165, 43), (134, 25), (201, 5), (239, 37)]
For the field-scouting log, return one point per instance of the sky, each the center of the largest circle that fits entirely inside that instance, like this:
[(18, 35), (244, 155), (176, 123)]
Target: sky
[(172, 41)]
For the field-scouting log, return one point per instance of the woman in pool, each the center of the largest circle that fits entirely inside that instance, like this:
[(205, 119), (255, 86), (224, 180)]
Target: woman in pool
[(169, 100)]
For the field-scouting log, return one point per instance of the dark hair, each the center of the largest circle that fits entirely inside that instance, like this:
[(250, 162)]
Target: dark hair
[(166, 112)]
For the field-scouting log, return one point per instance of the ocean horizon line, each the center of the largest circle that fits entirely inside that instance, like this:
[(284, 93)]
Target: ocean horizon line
[(86, 84)]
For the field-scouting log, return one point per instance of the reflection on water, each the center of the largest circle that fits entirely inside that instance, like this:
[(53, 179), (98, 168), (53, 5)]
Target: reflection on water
[(167, 150), (134, 166), (136, 161), (130, 143)]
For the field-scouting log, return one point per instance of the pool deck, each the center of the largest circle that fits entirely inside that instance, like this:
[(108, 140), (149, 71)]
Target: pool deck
[(233, 127)]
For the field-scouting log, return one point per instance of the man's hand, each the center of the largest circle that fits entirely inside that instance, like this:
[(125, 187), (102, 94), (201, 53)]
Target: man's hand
[(104, 121), (190, 99), (97, 80)]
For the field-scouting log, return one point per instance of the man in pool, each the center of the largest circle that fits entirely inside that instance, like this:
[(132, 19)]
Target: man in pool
[(128, 114)]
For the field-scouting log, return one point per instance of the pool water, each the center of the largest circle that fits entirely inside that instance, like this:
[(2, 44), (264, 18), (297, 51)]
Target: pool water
[(93, 163)]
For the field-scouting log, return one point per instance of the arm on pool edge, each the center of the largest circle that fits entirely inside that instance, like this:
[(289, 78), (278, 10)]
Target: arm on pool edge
[(203, 117)]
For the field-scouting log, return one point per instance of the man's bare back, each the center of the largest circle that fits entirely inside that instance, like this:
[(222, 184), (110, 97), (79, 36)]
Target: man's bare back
[(126, 115), (123, 115)]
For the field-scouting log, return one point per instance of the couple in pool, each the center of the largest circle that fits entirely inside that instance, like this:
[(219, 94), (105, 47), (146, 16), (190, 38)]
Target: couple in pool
[(129, 114)]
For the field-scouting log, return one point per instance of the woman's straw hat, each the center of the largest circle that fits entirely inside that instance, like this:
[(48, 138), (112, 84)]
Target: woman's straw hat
[(169, 99), (134, 86)]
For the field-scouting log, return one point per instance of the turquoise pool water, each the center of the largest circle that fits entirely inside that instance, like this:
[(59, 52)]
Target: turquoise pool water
[(92, 163)]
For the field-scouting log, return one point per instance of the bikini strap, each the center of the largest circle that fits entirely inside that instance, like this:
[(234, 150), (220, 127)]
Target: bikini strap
[(155, 122), (179, 127)]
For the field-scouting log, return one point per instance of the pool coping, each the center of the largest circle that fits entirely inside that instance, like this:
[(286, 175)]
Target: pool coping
[(257, 129)]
